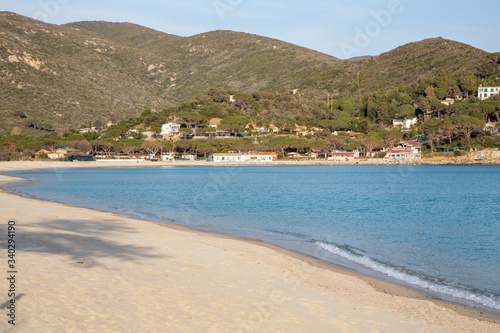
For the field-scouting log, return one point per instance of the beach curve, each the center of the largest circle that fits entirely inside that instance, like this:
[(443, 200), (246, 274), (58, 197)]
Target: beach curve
[(81, 270)]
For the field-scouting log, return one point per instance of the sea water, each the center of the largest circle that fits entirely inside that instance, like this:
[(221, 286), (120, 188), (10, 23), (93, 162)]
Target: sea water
[(435, 228)]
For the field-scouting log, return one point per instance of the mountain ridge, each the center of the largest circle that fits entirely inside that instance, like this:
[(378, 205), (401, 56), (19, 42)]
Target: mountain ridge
[(78, 72)]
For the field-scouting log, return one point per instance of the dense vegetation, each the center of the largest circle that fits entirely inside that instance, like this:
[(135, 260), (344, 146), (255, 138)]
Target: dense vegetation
[(58, 79), (459, 125)]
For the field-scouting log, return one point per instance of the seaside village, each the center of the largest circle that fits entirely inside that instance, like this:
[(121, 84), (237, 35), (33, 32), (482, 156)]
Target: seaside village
[(408, 151)]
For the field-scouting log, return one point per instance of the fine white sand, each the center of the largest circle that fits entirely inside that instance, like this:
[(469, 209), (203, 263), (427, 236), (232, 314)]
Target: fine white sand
[(80, 270)]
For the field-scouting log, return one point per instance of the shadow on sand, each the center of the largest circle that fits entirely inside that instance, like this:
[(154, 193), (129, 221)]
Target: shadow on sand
[(84, 241)]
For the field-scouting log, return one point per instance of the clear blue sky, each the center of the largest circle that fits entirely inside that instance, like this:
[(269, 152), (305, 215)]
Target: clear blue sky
[(342, 28)]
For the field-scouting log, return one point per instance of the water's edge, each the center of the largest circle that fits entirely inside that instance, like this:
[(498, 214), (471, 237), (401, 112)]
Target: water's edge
[(328, 254)]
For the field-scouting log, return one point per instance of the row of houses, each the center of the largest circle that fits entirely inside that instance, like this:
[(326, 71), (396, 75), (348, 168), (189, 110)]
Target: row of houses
[(173, 129), (263, 157), (406, 151)]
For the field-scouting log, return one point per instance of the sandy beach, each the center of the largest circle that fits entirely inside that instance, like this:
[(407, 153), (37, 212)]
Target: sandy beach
[(81, 270)]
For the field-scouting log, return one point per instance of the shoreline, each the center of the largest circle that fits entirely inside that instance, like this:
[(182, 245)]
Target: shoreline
[(49, 164), (305, 262), (378, 281)]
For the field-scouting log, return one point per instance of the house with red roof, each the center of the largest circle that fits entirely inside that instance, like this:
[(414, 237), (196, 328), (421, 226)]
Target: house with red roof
[(492, 128)]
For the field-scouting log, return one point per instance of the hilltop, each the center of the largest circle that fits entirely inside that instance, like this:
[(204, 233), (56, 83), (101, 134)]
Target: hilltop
[(128, 34), (422, 60)]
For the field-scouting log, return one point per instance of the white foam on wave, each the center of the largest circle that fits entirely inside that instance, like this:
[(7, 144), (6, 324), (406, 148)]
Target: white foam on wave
[(490, 302)]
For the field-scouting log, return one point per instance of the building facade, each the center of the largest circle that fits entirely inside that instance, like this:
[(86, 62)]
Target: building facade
[(486, 92), (342, 155), (263, 157), (406, 151), (405, 122), (172, 128)]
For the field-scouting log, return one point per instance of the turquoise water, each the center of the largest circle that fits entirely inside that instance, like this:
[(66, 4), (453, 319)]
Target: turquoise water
[(435, 228)]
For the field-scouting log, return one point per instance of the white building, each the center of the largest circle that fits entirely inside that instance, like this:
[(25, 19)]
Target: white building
[(486, 92), (172, 128), (412, 145), (405, 122), (406, 151), (342, 155), (245, 157), (492, 128)]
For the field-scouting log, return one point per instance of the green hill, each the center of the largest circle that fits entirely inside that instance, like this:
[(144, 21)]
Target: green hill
[(73, 74), (65, 76), (420, 60)]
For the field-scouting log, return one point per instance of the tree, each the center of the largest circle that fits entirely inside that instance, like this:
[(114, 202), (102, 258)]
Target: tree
[(371, 143), (430, 93), (280, 143), (486, 108), (234, 124), (116, 130), (335, 143), (19, 114), (82, 145), (151, 147), (195, 119), (392, 138), (30, 122), (371, 110), (433, 139), (317, 145), (206, 148), (155, 127), (146, 113), (363, 126), (383, 114), (405, 111), (469, 84), (447, 129), (348, 104), (106, 147), (183, 145), (217, 95), (244, 101), (468, 125), (129, 146), (424, 105), (167, 146)]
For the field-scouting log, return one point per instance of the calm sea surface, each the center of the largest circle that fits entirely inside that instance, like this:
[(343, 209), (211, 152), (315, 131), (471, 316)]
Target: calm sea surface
[(436, 228)]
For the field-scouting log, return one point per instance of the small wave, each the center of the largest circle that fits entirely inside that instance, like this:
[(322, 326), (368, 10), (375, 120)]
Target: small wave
[(393, 272), (142, 215), (296, 235)]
